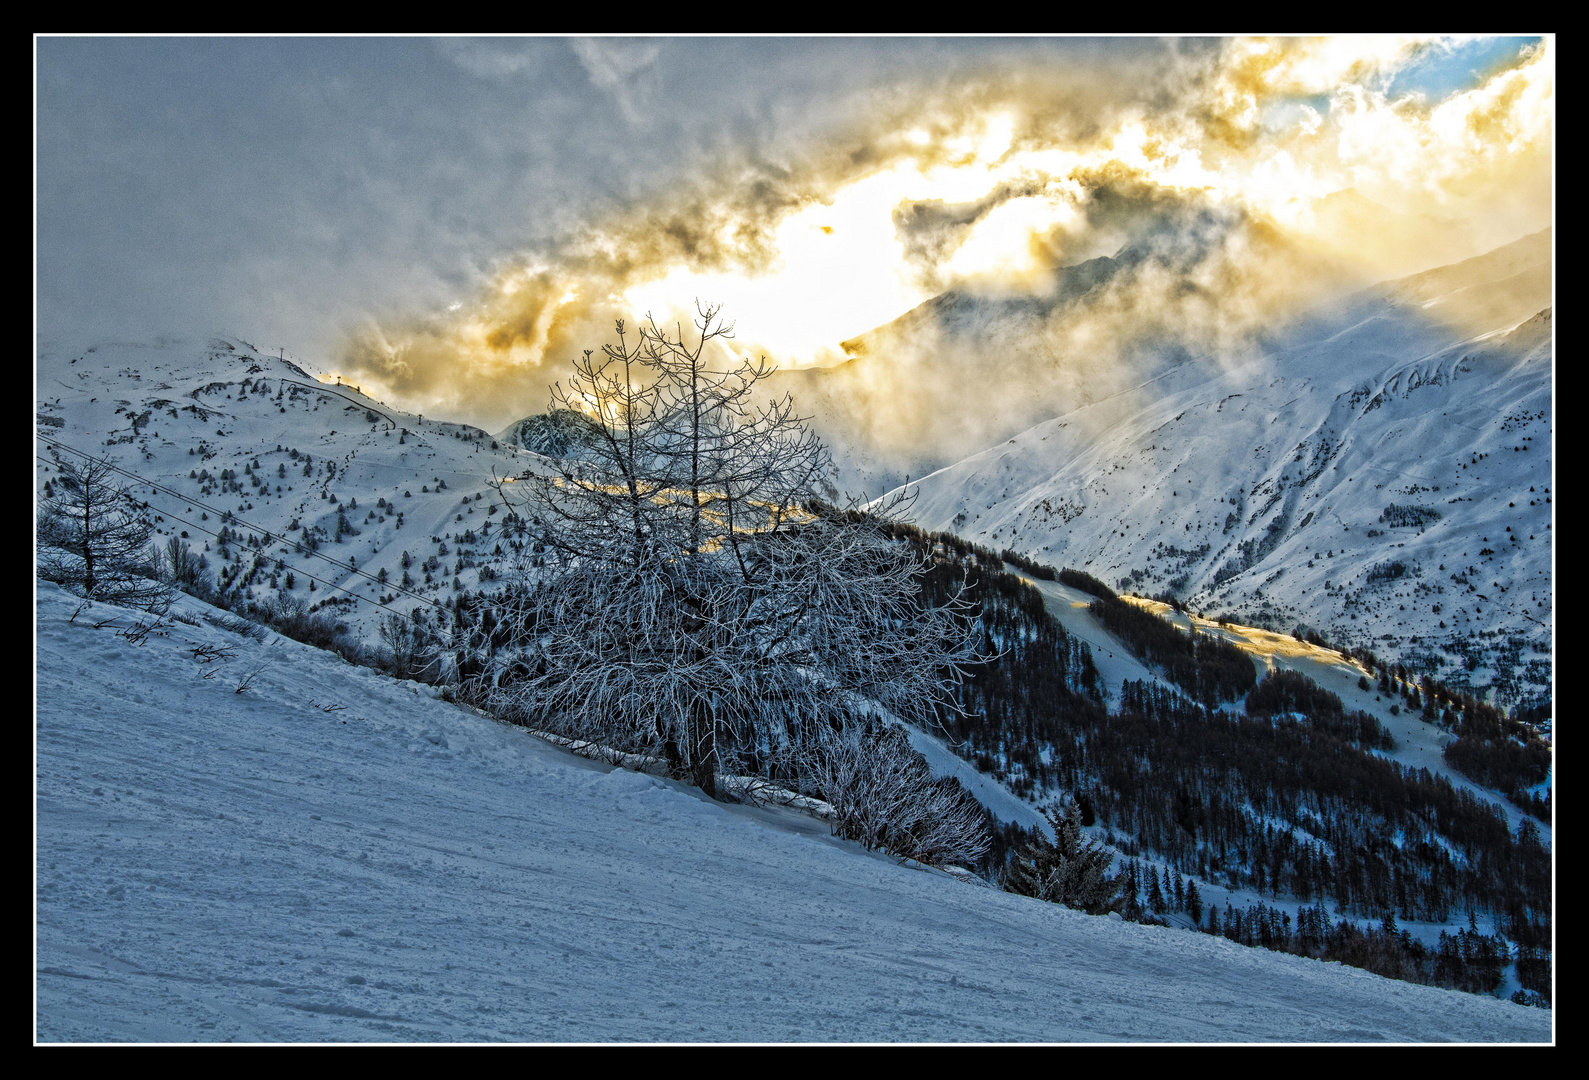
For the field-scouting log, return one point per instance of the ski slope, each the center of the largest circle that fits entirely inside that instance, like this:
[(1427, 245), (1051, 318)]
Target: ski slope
[(326, 854)]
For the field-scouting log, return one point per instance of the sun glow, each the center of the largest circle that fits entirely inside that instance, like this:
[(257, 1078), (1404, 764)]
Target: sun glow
[(840, 270), (1297, 141), (842, 267)]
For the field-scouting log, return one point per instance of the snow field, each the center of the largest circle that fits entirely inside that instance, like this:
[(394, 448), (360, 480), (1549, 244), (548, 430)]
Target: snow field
[(332, 855)]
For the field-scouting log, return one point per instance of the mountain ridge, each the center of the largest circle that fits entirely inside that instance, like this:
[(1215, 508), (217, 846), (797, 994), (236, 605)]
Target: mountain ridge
[(1414, 403)]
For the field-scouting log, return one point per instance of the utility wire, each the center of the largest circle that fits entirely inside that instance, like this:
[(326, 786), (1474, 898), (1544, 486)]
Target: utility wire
[(244, 546), (450, 634), (227, 515)]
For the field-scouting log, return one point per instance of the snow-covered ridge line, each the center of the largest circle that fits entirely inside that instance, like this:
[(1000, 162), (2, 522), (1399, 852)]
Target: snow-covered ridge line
[(1278, 491)]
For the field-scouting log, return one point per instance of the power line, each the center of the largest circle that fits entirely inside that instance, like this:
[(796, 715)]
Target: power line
[(227, 515), (262, 552)]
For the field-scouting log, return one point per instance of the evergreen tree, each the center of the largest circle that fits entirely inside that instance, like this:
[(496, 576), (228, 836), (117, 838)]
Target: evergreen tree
[(1132, 890), (1071, 869)]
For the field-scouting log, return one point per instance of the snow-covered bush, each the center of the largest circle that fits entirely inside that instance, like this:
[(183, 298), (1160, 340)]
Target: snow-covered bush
[(885, 797)]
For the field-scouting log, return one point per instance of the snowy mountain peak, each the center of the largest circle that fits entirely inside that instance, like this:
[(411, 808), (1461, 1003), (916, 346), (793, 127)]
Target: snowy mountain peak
[(1383, 476)]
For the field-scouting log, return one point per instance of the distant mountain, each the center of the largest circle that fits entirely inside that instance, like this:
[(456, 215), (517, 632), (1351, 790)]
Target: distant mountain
[(1382, 474), (962, 370), (970, 368), (306, 481), (560, 433)]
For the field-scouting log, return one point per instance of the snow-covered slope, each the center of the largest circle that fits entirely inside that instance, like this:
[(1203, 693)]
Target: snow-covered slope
[(1418, 743), (181, 412), (332, 855), (1382, 474)]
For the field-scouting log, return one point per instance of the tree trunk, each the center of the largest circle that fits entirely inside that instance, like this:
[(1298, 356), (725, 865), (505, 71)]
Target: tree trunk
[(675, 760), (703, 758), (89, 581)]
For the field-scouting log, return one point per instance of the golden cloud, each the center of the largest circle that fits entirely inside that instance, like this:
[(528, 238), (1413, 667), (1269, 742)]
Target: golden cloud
[(1239, 200)]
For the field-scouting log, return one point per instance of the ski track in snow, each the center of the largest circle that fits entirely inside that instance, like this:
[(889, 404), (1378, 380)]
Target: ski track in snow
[(218, 866)]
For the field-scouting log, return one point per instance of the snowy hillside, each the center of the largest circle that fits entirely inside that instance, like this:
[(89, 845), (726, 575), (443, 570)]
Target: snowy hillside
[(1382, 474), (315, 484), (328, 854), (964, 370), (1418, 743), (295, 487)]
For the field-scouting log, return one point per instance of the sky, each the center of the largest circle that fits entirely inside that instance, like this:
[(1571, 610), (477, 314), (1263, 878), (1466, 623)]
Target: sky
[(448, 222)]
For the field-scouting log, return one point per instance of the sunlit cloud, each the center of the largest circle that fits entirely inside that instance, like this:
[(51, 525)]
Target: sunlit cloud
[(839, 268), (1268, 170)]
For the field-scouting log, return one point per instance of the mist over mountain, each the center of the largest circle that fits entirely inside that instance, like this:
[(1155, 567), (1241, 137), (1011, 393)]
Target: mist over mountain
[(1381, 472), (1192, 282)]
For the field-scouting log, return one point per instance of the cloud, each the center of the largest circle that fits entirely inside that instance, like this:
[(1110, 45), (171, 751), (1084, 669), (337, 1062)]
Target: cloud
[(492, 58), (972, 367), (455, 220), (613, 65), (991, 186)]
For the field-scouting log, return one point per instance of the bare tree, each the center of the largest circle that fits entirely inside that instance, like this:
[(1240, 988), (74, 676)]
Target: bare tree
[(93, 537), (884, 795), (683, 590), (179, 564), (414, 651)]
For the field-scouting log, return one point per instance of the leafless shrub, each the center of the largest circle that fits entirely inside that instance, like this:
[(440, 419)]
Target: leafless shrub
[(884, 796), (414, 651), (247, 682), (209, 654), (139, 631), (233, 624)]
